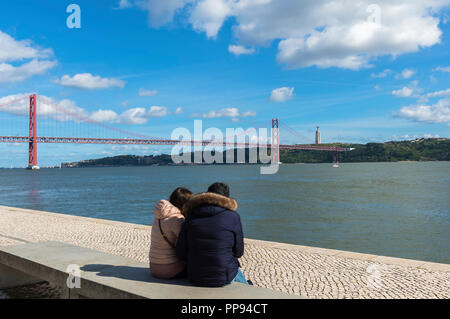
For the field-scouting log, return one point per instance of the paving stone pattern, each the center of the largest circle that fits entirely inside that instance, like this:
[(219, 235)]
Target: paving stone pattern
[(300, 270)]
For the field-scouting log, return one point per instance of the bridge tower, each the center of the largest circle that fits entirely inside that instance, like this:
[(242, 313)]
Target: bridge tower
[(32, 144), (276, 141)]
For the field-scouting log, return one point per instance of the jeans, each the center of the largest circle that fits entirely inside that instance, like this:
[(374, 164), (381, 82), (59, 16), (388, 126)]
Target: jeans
[(240, 277)]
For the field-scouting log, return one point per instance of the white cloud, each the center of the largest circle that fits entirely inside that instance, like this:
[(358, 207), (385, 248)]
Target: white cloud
[(157, 111), (134, 116), (104, 116), (35, 60), (10, 73), (408, 91), (179, 110), (144, 92), (124, 4), (232, 112), (88, 81), (442, 69), (161, 12), (437, 113), (227, 112), (382, 74), (345, 34), (281, 94), (46, 107), (239, 49), (140, 115), (248, 113), (439, 93), (67, 110), (404, 92), (406, 74), (13, 50), (209, 15)]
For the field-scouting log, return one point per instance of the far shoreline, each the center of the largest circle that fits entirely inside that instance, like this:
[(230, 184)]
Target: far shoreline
[(224, 164)]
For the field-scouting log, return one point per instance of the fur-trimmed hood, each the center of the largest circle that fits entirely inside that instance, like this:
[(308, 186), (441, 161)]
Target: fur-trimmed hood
[(209, 199)]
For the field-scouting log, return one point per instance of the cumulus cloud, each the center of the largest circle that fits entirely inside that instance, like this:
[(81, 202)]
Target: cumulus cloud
[(442, 69), (161, 12), (345, 34), (124, 4), (144, 92), (104, 116), (140, 115), (382, 74), (13, 50), (239, 50), (209, 15), (281, 94), (404, 92), (47, 106), (227, 112), (87, 81), (232, 112), (179, 110), (406, 74), (439, 93), (10, 73), (407, 91), (67, 110), (28, 60), (436, 113)]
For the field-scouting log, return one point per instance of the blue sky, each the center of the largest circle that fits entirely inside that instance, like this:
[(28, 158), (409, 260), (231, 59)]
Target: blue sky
[(231, 64)]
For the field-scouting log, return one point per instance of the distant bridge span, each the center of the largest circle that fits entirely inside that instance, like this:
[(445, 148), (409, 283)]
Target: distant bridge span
[(86, 140), (32, 139)]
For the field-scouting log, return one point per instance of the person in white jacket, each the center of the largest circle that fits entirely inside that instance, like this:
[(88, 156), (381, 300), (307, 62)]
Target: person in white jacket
[(166, 226)]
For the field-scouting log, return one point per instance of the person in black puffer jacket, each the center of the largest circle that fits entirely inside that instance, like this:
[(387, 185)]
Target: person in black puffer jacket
[(211, 239)]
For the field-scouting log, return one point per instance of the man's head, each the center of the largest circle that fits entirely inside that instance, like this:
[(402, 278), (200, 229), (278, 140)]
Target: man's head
[(219, 188)]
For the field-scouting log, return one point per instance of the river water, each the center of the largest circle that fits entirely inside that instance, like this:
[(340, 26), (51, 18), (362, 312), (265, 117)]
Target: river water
[(392, 209)]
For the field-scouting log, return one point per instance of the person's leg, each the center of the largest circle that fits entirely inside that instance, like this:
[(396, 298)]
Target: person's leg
[(240, 277)]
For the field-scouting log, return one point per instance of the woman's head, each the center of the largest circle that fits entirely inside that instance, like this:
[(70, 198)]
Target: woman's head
[(180, 196)]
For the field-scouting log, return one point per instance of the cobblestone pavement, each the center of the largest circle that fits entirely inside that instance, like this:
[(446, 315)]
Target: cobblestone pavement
[(307, 271)]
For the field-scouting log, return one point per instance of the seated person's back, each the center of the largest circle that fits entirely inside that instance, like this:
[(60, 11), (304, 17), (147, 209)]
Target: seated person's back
[(211, 239), (166, 226)]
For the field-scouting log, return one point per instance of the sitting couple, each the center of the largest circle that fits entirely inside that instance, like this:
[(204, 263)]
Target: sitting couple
[(198, 236)]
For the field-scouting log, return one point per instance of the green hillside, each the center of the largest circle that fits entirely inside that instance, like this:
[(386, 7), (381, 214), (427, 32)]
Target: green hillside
[(433, 149)]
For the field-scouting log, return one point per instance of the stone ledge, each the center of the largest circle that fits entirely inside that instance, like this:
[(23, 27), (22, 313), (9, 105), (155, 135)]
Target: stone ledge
[(109, 276)]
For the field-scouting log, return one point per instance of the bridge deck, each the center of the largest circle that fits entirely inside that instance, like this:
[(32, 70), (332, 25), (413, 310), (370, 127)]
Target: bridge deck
[(85, 140)]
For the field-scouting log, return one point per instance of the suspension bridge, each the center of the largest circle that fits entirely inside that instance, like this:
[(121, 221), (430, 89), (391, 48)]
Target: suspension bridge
[(64, 121)]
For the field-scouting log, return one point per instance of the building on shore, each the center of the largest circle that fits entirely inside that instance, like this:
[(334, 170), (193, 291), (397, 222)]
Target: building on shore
[(318, 138)]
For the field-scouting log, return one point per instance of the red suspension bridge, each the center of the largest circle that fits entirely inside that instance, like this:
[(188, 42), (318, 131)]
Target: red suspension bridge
[(70, 114)]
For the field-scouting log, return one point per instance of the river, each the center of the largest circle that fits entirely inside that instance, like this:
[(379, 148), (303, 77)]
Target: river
[(393, 209)]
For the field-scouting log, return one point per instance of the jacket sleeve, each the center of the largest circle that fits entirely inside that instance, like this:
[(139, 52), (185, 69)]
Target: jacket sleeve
[(181, 246), (238, 249)]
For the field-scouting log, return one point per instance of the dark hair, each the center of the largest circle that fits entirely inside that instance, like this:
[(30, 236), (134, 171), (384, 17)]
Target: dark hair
[(180, 196), (219, 188)]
